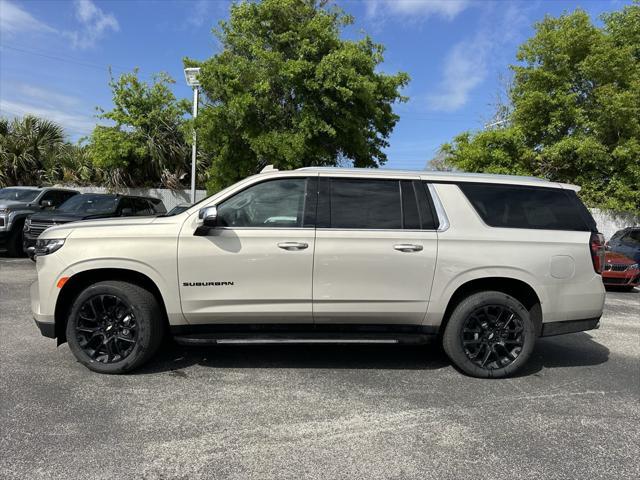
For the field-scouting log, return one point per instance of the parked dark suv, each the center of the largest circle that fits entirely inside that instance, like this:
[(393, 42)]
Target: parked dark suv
[(626, 242), (17, 203), (90, 206)]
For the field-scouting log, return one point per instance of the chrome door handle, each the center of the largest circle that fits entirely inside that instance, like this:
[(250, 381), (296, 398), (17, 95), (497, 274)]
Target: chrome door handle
[(407, 247), (292, 245)]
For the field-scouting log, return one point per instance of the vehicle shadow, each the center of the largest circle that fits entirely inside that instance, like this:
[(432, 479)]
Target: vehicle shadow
[(573, 350), (335, 356)]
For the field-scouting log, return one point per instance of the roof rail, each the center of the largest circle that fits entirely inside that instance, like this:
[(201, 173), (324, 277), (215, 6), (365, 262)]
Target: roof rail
[(269, 168)]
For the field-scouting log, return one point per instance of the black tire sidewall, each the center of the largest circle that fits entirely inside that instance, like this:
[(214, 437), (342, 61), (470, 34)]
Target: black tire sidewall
[(452, 338), (143, 312)]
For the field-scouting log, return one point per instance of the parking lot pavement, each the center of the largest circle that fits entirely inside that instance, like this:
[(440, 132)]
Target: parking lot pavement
[(292, 412)]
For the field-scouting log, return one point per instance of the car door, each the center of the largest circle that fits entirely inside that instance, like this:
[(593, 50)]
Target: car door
[(375, 255), (256, 266)]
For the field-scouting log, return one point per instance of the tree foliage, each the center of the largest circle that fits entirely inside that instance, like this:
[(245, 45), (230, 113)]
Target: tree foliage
[(147, 145), (29, 148), (287, 90), (575, 113)]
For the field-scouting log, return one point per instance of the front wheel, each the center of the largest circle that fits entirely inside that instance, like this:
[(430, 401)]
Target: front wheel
[(489, 335), (114, 327)]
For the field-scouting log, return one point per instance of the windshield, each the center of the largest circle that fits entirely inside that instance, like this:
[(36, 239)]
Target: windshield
[(90, 204), (19, 194)]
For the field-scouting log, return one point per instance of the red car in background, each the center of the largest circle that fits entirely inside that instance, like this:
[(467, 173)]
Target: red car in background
[(620, 271)]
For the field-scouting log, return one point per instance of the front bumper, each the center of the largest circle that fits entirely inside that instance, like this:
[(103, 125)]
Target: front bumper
[(4, 236), (550, 329), (28, 241), (47, 329), (46, 323), (629, 278)]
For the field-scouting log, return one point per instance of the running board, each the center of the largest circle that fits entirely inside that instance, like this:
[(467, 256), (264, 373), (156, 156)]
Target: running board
[(266, 339)]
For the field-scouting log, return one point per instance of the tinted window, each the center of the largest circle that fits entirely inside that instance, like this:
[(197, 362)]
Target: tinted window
[(632, 238), (410, 213), (57, 197), (273, 204), (18, 194), (528, 207), (126, 207), (365, 204), (141, 207), (91, 204)]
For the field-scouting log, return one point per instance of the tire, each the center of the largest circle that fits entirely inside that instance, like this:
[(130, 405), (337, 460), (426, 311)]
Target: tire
[(14, 242), (124, 336), (491, 322)]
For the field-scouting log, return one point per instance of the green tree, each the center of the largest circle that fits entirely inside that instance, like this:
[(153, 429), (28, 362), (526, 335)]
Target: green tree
[(575, 110), (29, 148), (286, 89), (147, 144)]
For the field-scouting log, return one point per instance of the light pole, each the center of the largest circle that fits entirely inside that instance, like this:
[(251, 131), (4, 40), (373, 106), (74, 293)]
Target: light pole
[(191, 76)]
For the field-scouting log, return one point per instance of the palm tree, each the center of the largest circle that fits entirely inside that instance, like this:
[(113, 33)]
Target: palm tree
[(29, 147)]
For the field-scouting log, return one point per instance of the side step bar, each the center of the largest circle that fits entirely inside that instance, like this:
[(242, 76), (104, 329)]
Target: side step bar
[(305, 338)]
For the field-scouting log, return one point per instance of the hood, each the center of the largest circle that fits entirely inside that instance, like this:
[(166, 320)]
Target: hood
[(62, 217), (62, 231), (13, 204), (618, 258)]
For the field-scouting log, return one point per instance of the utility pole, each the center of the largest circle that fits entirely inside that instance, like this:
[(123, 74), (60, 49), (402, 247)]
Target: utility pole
[(191, 75)]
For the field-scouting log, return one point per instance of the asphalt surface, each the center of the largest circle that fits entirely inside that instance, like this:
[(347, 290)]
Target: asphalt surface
[(318, 412)]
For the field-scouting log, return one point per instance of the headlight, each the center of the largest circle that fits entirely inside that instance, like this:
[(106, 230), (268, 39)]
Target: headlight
[(633, 267), (27, 225), (4, 211), (45, 247)]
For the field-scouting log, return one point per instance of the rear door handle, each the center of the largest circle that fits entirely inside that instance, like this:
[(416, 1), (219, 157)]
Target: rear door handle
[(407, 247), (292, 245)]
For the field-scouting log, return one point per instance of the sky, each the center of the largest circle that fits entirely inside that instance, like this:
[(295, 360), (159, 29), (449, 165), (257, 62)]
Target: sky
[(55, 56)]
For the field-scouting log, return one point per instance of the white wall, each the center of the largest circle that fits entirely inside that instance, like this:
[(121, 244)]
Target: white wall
[(610, 222), (170, 198)]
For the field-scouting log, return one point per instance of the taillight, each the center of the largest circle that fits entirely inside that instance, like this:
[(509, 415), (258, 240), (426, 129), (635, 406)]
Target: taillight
[(596, 244)]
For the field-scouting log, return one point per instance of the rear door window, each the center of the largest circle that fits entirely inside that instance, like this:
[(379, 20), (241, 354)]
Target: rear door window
[(365, 204), (519, 206)]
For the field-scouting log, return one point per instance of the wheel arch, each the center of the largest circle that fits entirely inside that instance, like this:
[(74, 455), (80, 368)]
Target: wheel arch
[(79, 281), (518, 289)]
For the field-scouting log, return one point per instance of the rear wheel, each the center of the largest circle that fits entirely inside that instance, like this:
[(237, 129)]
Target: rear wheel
[(489, 335), (114, 327)]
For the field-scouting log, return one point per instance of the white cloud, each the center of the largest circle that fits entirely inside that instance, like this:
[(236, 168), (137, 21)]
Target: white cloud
[(14, 19), (75, 125), (68, 111), (94, 24), (467, 64), (447, 9), (48, 97), (465, 67), (197, 13)]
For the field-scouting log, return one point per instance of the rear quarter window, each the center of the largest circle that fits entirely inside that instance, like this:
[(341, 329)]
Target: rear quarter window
[(510, 206)]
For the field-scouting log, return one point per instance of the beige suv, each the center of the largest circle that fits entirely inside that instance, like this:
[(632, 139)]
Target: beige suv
[(483, 263)]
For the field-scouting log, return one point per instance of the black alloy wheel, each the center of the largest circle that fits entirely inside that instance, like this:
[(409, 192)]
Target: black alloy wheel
[(493, 336), (489, 334), (106, 328), (115, 326)]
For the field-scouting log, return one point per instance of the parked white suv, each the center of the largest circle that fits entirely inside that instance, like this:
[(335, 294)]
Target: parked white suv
[(485, 263)]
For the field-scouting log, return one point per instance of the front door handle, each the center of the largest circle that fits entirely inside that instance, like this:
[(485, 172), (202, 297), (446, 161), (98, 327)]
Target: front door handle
[(292, 245), (407, 247)]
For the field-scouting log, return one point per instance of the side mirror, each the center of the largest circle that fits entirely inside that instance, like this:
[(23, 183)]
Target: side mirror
[(46, 204), (209, 217)]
